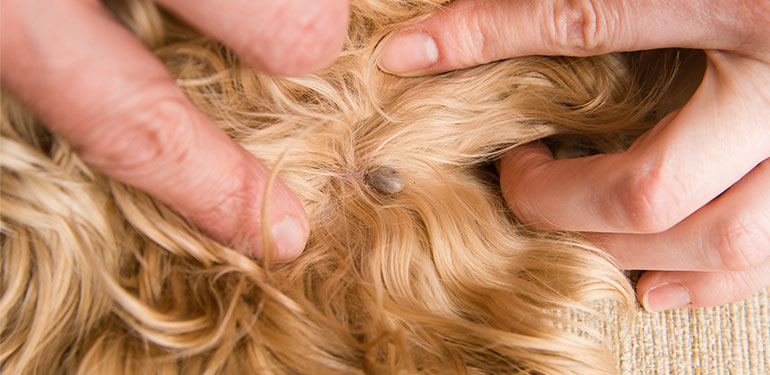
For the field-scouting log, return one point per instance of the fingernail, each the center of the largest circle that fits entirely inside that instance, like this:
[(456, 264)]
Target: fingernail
[(289, 237), (666, 297), (408, 53)]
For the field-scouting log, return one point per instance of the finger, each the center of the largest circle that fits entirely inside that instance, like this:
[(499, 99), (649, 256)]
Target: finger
[(730, 233), (472, 32), (279, 37), (666, 175), (660, 291), (96, 86)]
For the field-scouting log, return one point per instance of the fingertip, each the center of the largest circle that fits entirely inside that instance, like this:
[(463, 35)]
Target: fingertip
[(657, 289), (666, 296), (519, 169), (288, 227), (307, 37), (646, 282), (458, 35), (409, 54), (522, 159), (292, 234), (667, 290), (289, 38), (289, 236), (238, 201)]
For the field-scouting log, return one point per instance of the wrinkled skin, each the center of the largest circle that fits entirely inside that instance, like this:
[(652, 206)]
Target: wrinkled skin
[(691, 198), (94, 84)]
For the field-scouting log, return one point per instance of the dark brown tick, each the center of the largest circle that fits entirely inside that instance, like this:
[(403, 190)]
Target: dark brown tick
[(385, 180)]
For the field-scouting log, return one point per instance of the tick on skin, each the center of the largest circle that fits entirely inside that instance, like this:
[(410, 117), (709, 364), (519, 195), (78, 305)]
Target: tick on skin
[(385, 180)]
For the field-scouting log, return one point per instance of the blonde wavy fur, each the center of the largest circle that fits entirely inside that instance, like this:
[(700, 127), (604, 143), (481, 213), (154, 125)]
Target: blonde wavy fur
[(99, 278)]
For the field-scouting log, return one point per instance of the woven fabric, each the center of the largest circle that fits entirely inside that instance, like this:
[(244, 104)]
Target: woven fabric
[(731, 339)]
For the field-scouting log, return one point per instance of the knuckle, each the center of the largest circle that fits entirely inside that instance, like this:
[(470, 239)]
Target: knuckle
[(740, 244), (578, 27), (650, 199), (143, 141), (470, 35), (743, 24), (233, 206)]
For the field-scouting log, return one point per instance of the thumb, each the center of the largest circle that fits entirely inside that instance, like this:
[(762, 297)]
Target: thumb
[(473, 32), (131, 121)]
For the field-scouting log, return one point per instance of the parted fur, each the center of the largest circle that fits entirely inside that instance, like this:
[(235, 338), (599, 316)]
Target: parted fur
[(99, 278)]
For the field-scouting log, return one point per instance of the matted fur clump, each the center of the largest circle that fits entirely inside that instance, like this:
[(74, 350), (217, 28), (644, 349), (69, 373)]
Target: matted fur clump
[(98, 278)]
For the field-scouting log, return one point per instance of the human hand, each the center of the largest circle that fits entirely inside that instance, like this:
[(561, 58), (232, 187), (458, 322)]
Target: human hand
[(689, 199), (94, 84)]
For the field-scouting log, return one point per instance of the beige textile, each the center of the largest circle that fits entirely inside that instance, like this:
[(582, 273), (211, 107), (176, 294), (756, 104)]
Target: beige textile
[(731, 339)]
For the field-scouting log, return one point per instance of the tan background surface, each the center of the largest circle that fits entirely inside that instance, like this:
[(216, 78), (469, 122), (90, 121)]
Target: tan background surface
[(732, 339)]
